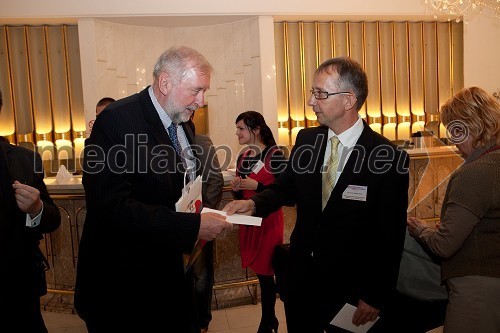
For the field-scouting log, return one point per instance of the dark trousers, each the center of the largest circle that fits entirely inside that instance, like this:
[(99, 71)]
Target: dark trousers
[(310, 305), (20, 307), (305, 300), (203, 271)]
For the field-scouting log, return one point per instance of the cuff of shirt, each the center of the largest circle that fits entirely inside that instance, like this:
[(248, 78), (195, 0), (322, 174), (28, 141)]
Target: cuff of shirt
[(35, 221)]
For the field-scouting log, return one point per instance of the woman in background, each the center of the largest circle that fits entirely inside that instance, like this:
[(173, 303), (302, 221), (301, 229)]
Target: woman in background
[(257, 167), (468, 237)]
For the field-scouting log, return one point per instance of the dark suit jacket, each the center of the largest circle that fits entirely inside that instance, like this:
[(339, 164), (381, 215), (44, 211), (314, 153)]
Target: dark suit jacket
[(212, 178), (19, 277), (130, 261), (355, 246)]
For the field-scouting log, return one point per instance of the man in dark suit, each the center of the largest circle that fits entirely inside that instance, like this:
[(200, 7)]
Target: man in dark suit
[(203, 267), (26, 212), (130, 274), (347, 242)]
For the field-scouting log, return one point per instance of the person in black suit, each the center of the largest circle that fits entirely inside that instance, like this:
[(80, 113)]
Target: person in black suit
[(26, 212), (203, 267), (130, 273), (347, 242)]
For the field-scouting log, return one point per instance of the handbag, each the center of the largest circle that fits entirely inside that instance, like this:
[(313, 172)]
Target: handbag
[(419, 274), (280, 261)]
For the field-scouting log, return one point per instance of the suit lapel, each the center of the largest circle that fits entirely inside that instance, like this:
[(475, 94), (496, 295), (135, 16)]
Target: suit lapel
[(320, 140), (18, 170), (5, 175), (354, 165), (156, 128), (190, 135), (159, 132), (154, 122)]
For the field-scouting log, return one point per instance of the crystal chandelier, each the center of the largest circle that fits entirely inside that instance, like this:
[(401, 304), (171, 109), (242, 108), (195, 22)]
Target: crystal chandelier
[(455, 9)]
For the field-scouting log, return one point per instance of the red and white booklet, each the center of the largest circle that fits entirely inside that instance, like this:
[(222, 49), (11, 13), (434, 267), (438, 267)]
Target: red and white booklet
[(191, 202)]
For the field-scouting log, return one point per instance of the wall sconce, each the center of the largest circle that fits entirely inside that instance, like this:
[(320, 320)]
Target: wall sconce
[(375, 124), (25, 137), (297, 125), (403, 128), (79, 143), (389, 128), (418, 123), (64, 146), (283, 133), (46, 149)]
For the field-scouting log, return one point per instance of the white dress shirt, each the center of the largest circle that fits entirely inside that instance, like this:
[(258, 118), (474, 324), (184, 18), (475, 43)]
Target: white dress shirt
[(187, 153), (347, 139)]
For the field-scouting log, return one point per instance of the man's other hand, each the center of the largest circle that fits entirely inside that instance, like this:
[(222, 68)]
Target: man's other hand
[(27, 198), (211, 225), (244, 207)]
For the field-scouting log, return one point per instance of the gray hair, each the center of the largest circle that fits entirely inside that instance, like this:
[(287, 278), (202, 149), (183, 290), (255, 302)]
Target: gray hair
[(350, 76), (177, 61)]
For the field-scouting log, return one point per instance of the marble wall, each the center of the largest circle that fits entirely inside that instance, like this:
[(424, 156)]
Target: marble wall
[(117, 60)]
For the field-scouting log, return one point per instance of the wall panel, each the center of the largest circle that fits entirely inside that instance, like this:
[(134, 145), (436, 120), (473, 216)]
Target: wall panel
[(7, 119), (412, 68)]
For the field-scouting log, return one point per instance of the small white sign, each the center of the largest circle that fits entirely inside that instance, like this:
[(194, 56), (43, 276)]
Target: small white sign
[(355, 192), (256, 168)]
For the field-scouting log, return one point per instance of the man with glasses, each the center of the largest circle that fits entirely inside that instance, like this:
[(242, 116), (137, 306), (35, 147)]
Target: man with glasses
[(350, 187)]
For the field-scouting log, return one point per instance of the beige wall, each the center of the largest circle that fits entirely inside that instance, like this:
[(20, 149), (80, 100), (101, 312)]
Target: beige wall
[(118, 60), (96, 8)]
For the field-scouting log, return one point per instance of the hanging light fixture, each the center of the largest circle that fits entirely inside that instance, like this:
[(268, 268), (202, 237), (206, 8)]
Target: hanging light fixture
[(455, 9)]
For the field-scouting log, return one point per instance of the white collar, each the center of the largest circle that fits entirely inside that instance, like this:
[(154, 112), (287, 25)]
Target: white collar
[(165, 119), (349, 137)]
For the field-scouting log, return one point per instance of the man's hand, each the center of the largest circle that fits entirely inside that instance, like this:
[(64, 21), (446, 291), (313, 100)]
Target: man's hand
[(211, 225), (364, 313), (28, 199), (244, 207)]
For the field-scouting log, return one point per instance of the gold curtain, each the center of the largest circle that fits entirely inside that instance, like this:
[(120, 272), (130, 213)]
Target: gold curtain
[(412, 68), (42, 90)]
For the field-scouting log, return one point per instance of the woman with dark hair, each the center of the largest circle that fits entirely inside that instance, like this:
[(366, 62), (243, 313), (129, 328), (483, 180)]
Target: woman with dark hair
[(257, 167)]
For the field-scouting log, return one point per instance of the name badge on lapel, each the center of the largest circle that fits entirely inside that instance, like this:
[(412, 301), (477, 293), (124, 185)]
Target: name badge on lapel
[(256, 168), (355, 192)]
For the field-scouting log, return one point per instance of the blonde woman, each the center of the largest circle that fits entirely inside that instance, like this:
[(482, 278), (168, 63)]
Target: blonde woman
[(468, 237)]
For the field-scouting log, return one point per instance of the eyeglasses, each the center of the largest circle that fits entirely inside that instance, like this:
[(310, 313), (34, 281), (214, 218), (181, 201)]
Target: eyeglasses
[(318, 94)]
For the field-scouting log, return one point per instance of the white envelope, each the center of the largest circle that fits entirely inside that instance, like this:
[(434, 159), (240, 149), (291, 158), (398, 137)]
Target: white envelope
[(236, 218), (343, 319)]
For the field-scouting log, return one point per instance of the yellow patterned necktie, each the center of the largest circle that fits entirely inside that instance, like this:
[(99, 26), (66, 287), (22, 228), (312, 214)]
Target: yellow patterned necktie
[(331, 171)]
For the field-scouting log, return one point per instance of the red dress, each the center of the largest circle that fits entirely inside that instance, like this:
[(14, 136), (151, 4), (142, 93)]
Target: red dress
[(257, 243)]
